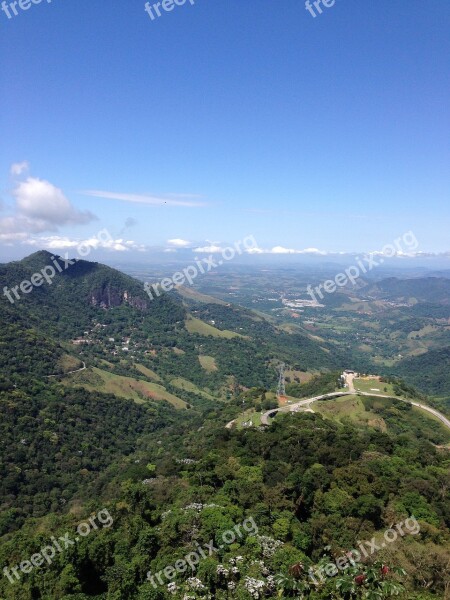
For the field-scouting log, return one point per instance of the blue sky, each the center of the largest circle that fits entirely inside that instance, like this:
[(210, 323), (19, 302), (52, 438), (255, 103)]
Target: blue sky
[(223, 119)]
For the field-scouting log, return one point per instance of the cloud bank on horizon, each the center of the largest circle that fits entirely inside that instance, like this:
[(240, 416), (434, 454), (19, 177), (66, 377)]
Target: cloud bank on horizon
[(38, 210)]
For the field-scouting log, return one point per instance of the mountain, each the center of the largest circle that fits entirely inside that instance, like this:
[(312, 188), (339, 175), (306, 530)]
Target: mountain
[(168, 334), (113, 439), (435, 290), (86, 341)]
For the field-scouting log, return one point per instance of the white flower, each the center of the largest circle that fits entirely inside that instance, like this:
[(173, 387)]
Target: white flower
[(221, 570), (254, 587), (268, 545), (195, 583), (199, 507)]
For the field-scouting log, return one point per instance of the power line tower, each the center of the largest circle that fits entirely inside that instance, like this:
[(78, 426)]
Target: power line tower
[(281, 391)]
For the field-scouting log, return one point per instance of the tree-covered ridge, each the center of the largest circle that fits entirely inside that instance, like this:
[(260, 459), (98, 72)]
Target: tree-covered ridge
[(311, 487), (105, 311), (425, 289), (371, 327), (320, 384), (297, 348), (24, 349), (429, 371), (56, 443), (78, 294)]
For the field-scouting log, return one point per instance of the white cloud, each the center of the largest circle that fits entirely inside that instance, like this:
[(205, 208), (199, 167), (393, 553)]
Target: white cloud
[(41, 200), (186, 200), (212, 249), (178, 243), (255, 250), (314, 251), (283, 250), (216, 247), (53, 242), (10, 239), (39, 207), (19, 168), (56, 242)]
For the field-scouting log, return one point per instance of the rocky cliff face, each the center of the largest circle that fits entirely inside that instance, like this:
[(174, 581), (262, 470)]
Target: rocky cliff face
[(109, 297)]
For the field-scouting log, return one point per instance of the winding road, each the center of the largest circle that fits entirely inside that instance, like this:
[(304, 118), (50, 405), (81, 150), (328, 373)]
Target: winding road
[(295, 407)]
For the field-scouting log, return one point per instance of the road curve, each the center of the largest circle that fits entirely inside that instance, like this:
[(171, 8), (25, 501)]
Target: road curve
[(297, 405), (294, 407), (429, 409)]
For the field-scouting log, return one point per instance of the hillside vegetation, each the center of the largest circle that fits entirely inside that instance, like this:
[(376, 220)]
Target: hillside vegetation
[(138, 433)]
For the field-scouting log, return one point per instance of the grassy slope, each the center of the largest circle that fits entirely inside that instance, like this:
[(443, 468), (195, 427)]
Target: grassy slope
[(184, 384), (123, 387), (369, 385), (147, 372), (384, 416), (197, 326), (191, 294), (208, 362)]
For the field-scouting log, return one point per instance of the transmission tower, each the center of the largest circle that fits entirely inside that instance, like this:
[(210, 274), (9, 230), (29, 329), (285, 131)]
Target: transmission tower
[(281, 391)]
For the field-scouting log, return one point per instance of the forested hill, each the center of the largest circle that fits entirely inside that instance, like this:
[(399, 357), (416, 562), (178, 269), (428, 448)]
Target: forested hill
[(429, 371), (303, 493), (90, 297), (68, 300)]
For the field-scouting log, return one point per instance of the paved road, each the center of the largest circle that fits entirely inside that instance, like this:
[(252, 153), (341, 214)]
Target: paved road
[(349, 377), (433, 411), (295, 407)]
